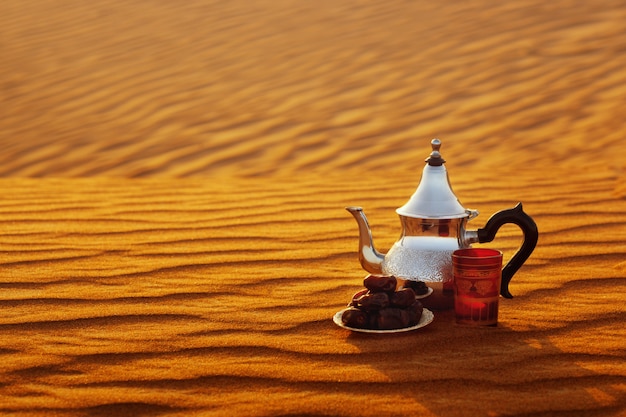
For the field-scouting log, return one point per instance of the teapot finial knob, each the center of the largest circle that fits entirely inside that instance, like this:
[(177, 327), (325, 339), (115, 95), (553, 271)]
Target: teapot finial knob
[(435, 158)]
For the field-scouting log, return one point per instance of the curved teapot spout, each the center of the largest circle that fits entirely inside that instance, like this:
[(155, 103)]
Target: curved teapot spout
[(371, 260)]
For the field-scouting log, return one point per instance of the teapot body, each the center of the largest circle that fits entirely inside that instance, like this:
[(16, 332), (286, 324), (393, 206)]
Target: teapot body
[(424, 253)]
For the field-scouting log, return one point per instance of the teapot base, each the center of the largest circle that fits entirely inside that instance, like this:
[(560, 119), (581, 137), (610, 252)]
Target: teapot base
[(441, 298)]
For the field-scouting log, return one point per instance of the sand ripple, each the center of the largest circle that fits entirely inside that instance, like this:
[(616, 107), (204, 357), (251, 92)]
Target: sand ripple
[(136, 88), (180, 300)]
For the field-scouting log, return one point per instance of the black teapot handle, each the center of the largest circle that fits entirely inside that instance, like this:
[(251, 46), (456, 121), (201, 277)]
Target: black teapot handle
[(516, 216)]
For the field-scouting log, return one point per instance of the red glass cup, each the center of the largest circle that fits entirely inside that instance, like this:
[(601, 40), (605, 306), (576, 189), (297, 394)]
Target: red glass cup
[(477, 277)]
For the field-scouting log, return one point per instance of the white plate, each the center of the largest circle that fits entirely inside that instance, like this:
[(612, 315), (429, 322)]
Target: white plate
[(430, 291), (426, 319)]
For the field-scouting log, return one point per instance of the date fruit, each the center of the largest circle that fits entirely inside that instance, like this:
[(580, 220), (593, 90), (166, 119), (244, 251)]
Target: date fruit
[(380, 283), (355, 298), (373, 301), (402, 298), (393, 318), (415, 311), (418, 287), (353, 317)]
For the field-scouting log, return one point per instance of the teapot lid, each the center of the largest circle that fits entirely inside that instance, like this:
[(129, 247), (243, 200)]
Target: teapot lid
[(434, 198)]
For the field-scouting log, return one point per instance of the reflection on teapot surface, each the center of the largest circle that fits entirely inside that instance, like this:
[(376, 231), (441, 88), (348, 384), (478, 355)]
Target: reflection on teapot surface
[(433, 226), (427, 259), (421, 258)]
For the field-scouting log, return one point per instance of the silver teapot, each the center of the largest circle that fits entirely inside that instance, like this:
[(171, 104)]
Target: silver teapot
[(433, 226)]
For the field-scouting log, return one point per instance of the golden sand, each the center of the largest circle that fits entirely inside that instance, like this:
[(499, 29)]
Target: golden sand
[(174, 175)]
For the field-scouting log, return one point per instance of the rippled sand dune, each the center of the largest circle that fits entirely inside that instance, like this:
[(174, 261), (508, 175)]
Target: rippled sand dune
[(180, 297), (141, 88), (173, 236)]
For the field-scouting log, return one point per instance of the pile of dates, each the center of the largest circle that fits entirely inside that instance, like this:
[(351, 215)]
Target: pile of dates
[(380, 306)]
